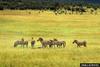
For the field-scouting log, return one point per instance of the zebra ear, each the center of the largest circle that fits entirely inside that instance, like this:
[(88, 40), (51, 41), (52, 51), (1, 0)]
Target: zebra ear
[(41, 38), (75, 40)]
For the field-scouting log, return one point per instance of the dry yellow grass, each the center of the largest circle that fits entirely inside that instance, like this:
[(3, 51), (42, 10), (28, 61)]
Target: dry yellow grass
[(17, 24)]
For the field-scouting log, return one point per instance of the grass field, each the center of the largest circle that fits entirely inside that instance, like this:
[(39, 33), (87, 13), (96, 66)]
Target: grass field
[(17, 24)]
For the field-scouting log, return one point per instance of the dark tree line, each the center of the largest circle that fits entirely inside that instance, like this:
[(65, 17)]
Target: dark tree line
[(74, 6), (45, 4)]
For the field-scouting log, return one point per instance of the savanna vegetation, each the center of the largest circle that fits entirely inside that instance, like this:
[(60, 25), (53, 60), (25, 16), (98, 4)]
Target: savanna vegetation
[(17, 24)]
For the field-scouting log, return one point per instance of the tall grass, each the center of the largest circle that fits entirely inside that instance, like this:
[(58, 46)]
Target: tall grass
[(17, 24)]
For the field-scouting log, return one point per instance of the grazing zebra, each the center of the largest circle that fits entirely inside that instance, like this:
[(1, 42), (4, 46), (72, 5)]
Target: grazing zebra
[(21, 42), (79, 44), (45, 43), (32, 43), (59, 43)]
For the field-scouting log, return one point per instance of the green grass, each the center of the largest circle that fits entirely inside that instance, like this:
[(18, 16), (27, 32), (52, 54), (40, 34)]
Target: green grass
[(17, 24)]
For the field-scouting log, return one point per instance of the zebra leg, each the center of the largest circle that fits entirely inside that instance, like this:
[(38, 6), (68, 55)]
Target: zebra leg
[(63, 45), (27, 45), (57, 45), (85, 45), (23, 45), (31, 45), (43, 46), (50, 46), (77, 46), (54, 45)]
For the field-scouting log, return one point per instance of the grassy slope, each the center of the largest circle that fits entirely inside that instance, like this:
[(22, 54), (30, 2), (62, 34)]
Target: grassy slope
[(64, 27)]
